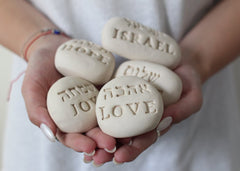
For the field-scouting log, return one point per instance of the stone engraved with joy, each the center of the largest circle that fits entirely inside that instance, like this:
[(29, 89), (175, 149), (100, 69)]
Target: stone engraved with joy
[(78, 90)]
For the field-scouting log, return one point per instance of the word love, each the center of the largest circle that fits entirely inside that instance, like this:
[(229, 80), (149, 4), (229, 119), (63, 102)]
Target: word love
[(129, 101), (144, 107), (71, 103), (125, 90)]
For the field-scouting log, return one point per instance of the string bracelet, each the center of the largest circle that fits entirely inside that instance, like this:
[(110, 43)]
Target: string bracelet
[(36, 36)]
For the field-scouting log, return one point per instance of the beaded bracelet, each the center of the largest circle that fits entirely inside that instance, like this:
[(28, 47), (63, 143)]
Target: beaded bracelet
[(36, 36)]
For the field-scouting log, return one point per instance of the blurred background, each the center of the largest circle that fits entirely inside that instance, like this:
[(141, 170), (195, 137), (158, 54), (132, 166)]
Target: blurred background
[(5, 79)]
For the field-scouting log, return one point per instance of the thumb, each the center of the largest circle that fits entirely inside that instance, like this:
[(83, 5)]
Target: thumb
[(35, 100), (189, 103)]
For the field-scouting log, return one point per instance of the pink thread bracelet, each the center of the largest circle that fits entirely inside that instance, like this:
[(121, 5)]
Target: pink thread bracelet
[(36, 36)]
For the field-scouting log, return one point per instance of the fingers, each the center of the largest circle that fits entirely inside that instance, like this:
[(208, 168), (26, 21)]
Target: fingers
[(189, 103), (102, 140), (94, 139), (191, 99), (100, 157), (123, 141), (128, 153), (106, 147), (77, 142), (130, 149), (35, 101), (164, 125), (133, 147)]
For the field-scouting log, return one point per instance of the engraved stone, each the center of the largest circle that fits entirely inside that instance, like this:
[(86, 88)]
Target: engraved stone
[(136, 41), (128, 106), (71, 103), (165, 80), (86, 60)]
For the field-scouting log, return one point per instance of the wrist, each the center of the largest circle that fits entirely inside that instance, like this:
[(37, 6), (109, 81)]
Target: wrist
[(193, 58), (46, 44)]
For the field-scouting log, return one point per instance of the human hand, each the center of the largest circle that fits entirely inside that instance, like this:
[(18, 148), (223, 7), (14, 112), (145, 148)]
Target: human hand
[(40, 75), (191, 97), (189, 103)]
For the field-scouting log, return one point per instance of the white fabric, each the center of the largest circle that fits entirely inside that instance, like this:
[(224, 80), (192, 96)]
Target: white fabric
[(205, 141)]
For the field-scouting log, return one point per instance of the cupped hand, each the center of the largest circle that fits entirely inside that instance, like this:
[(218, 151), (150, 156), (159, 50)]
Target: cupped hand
[(189, 103), (191, 98), (40, 75)]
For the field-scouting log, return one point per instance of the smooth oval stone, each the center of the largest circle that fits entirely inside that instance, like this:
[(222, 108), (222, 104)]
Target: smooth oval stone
[(128, 106), (135, 41), (86, 60), (164, 79), (71, 103)]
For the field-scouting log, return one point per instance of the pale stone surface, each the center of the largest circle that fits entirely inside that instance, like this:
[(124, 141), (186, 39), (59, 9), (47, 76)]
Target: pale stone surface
[(128, 106), (86, 60), (133, 40), (71, 103), (164, 79)]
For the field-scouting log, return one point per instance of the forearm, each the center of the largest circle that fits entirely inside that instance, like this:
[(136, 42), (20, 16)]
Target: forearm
[(19, 20), (215, 41)]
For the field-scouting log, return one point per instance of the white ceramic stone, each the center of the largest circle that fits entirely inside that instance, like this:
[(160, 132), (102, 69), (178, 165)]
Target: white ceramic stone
[(165, 80), (86, 60), (135, 41), (128, 106), (71, 103)]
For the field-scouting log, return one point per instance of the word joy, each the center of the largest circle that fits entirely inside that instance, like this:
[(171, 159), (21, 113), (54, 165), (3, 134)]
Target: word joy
[(147, 107), (69, 93), (84, 106)]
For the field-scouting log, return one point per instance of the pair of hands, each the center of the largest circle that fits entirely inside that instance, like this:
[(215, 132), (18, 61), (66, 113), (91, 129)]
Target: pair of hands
[(41, 74)]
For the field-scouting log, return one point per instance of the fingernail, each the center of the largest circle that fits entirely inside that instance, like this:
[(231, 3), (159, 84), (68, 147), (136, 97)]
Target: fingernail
[(90, 154), (111, 151), (96, 165), (47, 132), (130, 142), (158, 133), (166, 122), (86, 161), (115, 162)]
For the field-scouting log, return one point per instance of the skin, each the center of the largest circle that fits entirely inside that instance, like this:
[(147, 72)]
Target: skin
[(211, 45)]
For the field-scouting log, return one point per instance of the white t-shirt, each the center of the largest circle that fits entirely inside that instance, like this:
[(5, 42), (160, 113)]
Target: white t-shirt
[(206, 141)]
